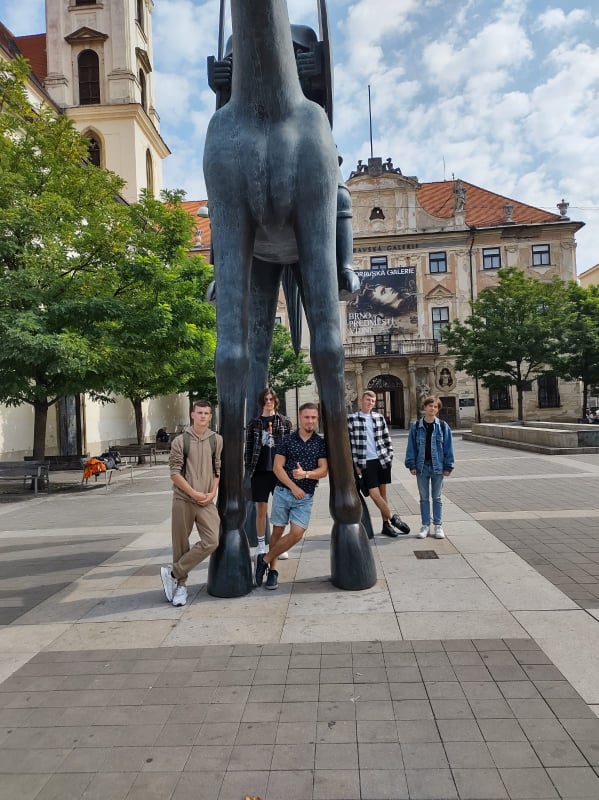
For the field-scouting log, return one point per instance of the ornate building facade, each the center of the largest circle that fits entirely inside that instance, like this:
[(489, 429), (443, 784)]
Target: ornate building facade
[(424, 251)]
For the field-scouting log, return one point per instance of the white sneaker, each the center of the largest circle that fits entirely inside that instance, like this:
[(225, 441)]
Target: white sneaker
[(180, 596), (283, 556), (439, 532), (168, 582), (423, 532)]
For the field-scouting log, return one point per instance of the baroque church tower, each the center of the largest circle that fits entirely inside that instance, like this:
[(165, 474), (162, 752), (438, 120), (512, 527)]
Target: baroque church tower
[(99, 59)]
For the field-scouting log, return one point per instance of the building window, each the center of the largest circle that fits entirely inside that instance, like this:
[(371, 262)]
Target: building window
[(139, 13), (491, 258), (499, 398), (89, 78), (437, 262), (378, 262), (142, 89), (85, 2), (382, 344), (541, 255), (440, 320), (548, 391), (149, 172), (94, 151)]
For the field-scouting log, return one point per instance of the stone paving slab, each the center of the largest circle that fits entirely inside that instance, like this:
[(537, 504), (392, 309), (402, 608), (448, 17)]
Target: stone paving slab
[(476, 685), (203, 719)]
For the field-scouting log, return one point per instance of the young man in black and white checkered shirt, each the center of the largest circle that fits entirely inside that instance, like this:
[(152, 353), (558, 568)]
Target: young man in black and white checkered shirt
[(372, 454)]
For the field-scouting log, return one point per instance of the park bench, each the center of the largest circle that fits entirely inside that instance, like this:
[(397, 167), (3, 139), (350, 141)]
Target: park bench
[(106, 474), (36, 473), (129, 452)]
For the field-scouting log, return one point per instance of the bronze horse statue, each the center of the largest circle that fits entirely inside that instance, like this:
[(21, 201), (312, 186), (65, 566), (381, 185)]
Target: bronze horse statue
[(272, 175)]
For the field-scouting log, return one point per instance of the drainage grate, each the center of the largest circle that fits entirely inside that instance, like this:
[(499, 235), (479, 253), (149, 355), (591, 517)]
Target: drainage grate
[(425, 554)]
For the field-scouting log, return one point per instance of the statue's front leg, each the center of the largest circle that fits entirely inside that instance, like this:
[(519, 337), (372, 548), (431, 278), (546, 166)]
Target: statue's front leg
[(230, 569)]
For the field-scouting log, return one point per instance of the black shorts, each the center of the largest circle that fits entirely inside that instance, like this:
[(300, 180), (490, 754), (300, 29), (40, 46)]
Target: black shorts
[(263, 485), (376, 475)]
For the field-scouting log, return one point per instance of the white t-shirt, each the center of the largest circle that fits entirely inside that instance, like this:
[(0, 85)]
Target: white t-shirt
[(370, 443)]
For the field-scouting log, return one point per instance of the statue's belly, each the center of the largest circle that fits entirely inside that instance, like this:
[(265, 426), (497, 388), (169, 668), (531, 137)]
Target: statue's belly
[(276, 244)]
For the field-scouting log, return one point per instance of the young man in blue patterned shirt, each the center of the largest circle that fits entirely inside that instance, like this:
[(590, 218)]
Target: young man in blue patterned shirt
[(372, 454), (300, 462)]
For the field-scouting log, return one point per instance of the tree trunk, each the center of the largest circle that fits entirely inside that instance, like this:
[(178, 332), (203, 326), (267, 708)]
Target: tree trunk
[(520, 404), (139, 429), (40, 422)]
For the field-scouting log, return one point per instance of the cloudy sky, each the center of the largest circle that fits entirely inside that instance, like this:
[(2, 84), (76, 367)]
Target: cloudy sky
[(501, 93)]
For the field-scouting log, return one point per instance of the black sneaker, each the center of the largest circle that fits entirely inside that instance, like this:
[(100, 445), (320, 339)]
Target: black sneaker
[(261, 567), (398, 523), (389, 530), (272, 580)]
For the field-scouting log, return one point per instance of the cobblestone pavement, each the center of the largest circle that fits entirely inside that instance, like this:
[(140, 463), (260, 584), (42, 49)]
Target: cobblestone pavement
[(472, 676)]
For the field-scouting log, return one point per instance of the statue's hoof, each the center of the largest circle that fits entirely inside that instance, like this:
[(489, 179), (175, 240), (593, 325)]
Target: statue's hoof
[(349, 283), (352, 561), (230, 567)]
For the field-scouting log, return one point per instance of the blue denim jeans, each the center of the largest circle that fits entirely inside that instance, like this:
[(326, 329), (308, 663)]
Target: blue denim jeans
[(429, 483), (286, 508)]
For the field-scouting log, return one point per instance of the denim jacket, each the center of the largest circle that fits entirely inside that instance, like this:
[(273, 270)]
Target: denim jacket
[(441, 447)]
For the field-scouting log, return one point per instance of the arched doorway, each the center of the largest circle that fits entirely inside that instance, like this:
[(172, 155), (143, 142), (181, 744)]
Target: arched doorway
[(389, 399)]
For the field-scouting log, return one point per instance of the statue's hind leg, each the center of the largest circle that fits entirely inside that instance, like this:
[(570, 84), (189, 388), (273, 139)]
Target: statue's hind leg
[(352, 562), (230, 569), (264, 293)]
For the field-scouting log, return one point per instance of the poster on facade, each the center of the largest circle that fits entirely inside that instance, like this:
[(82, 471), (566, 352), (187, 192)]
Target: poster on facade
[(387, 300)]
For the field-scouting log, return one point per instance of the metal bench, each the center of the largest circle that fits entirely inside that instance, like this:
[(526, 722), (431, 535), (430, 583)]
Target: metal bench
[(37, 473), (134, 451), (105, 473)]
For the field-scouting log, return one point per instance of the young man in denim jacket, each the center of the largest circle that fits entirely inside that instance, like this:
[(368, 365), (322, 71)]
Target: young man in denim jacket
[(429, 456)]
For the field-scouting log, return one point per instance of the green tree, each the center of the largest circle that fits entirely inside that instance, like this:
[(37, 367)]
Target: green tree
[(286, 368), (161, 332), (513, 332), (579, 359), (60, 222)]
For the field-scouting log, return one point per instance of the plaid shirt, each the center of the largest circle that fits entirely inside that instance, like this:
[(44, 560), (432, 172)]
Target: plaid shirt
[(357, 439), (281, 427)]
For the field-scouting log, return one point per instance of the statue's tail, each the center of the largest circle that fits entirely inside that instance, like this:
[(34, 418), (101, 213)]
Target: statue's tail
[(294, 306)]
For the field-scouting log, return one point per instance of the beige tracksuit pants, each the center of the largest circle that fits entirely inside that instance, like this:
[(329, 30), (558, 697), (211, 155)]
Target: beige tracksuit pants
[(207, 522)]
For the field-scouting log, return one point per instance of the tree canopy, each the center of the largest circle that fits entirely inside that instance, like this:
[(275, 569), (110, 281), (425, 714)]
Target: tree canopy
[(513, 332), (161, 331), (95, 295), (286, 368), (578, 359)]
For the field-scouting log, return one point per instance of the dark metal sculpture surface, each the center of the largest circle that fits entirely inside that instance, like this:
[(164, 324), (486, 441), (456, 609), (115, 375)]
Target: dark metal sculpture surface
[(272, 176)]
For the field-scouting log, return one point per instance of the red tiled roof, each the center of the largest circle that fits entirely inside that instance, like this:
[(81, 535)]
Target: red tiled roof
[(483, 208), (34, 50)]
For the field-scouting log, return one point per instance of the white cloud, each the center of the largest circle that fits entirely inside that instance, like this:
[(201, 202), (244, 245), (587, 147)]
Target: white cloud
[(555, 19)]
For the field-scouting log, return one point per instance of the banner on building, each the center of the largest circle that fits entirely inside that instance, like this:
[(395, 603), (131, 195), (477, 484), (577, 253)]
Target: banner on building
[(387, 300)]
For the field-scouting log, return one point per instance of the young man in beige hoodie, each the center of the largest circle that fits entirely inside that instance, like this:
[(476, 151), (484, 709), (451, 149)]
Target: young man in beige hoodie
[(195, 476)]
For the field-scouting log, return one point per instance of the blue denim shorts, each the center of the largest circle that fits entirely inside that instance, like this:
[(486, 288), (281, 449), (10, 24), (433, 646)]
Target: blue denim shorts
[(286, 508)]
